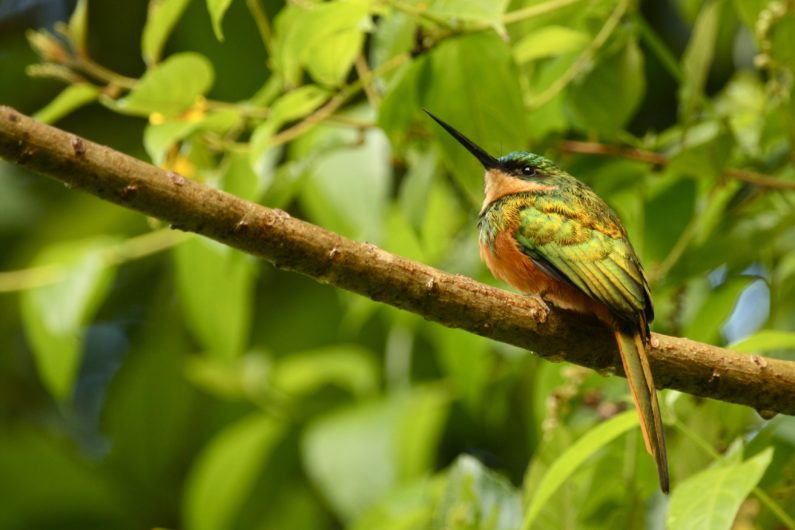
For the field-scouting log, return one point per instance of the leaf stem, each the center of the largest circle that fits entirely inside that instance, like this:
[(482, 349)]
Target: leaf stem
[(129, 250)]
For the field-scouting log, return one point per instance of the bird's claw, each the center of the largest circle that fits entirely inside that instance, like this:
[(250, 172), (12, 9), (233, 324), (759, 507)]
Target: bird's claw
[(540, 310)]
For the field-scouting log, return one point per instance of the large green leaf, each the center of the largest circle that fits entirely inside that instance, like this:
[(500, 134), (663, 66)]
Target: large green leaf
[(715, 308), (170, 87), (606, 98), (472, 84), (215, 287), (359, 175), (224, 473), (324, 38), (357, 454), (572, 458), (710, 500), (55, 315)]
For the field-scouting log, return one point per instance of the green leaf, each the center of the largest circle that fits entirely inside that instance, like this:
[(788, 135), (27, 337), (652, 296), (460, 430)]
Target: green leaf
[(55, 315), (476, 497), (348, 366), (217, 9), (170, 87), (470, 10), (224, 473), (479, 71), (325, 38), (215, 287), (606, 98), (765, 341), (697, 58), (549, 41), (291, 106), (70, 99), (711, 499), (298, 103), (357, 454), (161, 18), (573, 457)]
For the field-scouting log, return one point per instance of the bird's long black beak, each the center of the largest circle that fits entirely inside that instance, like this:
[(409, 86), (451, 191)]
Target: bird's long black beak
[(488, 161)]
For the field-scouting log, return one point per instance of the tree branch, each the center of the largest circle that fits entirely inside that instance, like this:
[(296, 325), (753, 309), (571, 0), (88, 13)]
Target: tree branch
[(452, 300)]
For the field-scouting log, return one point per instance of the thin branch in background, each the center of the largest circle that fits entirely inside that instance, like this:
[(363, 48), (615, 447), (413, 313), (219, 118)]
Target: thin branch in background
[(133, 248), (364, 73), (657, 159)]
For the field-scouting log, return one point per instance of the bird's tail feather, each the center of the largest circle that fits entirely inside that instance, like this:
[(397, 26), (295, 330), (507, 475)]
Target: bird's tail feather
[(636, 367)]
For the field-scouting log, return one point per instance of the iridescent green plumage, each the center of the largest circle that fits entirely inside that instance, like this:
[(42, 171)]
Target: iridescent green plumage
[(548, 234)]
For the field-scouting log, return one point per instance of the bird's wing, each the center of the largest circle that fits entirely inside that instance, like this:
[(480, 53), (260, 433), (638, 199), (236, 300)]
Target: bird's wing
[(594, 256)]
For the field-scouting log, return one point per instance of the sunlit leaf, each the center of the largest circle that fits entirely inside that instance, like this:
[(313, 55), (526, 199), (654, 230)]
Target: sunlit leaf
[(547, 42), (170, 87), (55, 315), (710, 500), (573, 458), (70, 99), (224, 473), (606, 98), (78, 25), (472, 10), (161, 18)]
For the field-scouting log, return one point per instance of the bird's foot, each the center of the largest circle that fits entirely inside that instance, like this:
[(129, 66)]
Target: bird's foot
[(540, 311)]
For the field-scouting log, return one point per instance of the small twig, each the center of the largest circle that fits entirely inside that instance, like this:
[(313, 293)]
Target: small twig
[(363, 71), (129, 250)]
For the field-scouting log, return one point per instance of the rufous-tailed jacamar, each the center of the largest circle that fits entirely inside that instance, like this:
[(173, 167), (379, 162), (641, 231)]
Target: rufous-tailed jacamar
[(547, 234)]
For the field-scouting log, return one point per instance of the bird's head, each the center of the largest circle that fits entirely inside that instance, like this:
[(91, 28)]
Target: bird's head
[(516, 172)]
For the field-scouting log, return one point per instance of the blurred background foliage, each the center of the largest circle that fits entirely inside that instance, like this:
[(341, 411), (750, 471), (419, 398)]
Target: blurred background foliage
[(150, 378)]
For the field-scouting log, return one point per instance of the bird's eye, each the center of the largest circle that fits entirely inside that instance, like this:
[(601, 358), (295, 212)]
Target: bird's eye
[(528, 171)]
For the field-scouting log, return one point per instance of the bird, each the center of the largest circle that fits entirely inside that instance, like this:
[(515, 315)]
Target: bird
[(550, 236)]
